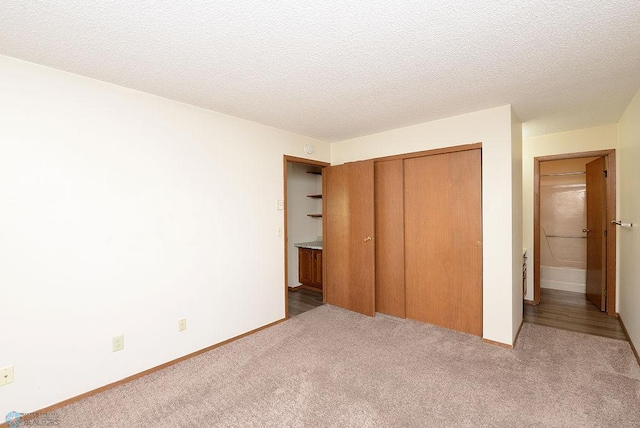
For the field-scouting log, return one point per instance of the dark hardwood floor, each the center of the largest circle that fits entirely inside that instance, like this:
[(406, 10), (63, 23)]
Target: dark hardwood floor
[(302, 301), (571, 311)]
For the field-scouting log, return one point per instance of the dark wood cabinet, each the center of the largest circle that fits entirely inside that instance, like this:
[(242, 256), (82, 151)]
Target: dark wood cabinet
[(310, 268), (317, 268), (305, 265)]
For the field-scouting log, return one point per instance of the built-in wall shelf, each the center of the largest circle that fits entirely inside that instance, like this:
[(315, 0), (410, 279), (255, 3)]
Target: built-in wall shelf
[(315, 195)]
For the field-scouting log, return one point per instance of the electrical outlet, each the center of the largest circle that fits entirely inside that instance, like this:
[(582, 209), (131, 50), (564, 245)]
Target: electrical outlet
[(6, 375), (182, 324), (118, 343)]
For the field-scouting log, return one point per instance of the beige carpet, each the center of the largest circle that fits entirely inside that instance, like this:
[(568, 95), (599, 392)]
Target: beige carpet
[(331, 367)]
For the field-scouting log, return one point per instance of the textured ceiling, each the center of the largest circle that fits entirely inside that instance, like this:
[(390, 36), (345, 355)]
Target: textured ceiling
[(340, 69)]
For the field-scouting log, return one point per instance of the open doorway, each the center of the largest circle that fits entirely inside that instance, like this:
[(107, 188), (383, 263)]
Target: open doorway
[(303, 209), (575, 243)]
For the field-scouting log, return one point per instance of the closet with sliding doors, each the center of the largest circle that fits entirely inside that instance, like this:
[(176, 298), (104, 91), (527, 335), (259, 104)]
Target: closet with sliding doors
[(403, 237)]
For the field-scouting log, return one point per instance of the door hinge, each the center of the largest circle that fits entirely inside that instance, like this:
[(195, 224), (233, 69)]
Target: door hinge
[(605, 174), (604, 292), (605, 233)]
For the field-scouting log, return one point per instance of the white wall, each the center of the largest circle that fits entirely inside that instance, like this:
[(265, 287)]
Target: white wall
[(582, 140), (516, 222), (629, 187), (123, 212), (300, 227), (493, 128)]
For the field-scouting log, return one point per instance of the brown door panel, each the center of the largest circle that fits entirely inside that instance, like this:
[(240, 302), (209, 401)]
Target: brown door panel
[(443, 240), (349, 252)]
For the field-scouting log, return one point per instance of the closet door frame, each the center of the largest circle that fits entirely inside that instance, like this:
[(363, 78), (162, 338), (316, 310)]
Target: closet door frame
[(402, 158), (431, 152)]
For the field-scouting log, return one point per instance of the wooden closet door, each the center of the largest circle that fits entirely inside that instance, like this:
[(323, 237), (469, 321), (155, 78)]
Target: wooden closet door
[(443, 240), (349, 251), (389, 218), (596, 189)]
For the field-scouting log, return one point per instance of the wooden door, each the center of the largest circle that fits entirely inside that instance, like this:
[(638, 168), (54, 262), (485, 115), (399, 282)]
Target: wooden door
[(443, 240), (596, 227), (389, 218), (348, 249)]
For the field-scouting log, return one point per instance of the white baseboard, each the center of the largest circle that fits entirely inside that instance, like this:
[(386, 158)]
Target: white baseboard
[(564, 286)]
